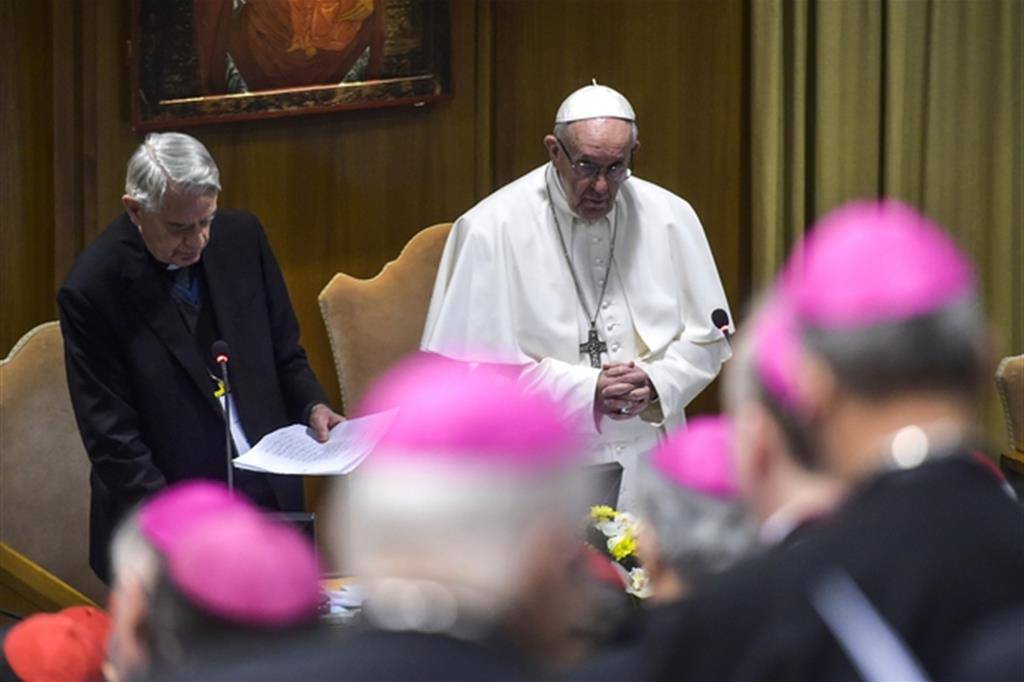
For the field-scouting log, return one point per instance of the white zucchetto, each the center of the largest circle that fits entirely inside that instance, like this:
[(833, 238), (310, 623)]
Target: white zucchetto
[(594, 101)]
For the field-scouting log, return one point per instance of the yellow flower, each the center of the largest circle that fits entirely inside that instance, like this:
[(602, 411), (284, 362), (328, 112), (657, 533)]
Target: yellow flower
[(622, 546), (602, 512)]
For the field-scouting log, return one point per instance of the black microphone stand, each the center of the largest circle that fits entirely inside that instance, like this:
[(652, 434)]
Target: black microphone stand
[(221, 357)]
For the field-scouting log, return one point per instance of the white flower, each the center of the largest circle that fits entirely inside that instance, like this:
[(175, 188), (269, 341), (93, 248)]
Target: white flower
[(624, 523), (639, 583)]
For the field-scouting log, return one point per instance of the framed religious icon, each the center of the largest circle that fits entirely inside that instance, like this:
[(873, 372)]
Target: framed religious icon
[(205, 61)]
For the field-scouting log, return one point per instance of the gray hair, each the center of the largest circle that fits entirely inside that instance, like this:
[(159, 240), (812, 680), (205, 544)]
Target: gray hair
[(459, 528), (699, 535), (942, 351), (170, 161), (132, 554), (561, 131)]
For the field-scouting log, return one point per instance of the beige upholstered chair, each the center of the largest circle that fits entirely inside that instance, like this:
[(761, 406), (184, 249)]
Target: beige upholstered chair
[(44, 471), (1010, 384), (372, 323)]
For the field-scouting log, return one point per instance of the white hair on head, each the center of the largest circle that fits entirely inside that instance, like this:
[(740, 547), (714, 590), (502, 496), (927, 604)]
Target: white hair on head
[(131, 554), (170, 161), (463, 528), (561, 131)]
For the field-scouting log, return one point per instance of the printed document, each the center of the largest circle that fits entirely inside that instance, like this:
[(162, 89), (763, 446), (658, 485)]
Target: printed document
[(292, 450)]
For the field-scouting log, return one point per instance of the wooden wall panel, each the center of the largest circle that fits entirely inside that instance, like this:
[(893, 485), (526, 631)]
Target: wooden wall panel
[(682, 65), (345, 191), (26, 170)]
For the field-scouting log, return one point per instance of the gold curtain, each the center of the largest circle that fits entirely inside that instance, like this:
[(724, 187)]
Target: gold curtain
[(914, 99)]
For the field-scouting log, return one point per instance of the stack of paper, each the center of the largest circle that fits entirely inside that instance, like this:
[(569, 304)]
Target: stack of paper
[(292, 450)]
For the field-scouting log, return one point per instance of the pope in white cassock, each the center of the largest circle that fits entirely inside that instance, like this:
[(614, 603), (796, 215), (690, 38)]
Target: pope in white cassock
[(600, 285)]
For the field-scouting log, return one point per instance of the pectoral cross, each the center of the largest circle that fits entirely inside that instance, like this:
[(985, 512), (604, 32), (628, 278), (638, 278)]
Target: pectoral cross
[(593, 347)]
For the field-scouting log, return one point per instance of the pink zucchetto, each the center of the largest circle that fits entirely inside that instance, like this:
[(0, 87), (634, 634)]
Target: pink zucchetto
[(248, 570), (472, 414), (872, 262), (175, 510), (777, 352), (699, 457)]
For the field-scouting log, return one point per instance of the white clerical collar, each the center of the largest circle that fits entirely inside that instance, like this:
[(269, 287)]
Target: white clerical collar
[(561, 202)]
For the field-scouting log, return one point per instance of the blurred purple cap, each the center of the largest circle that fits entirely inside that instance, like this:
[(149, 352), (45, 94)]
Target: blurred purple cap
[(872, 262), (699, 457), (471, 414), (248, 570), (174, 511)]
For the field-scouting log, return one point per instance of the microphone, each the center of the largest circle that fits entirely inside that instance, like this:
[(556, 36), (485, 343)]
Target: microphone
[(720, 319), (221, 355)]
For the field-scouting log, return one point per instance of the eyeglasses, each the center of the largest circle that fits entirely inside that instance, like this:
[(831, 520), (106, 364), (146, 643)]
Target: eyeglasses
[(616, 172)]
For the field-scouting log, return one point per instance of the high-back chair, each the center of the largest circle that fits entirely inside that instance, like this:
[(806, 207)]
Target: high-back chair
[(44, 470), (372, 323)]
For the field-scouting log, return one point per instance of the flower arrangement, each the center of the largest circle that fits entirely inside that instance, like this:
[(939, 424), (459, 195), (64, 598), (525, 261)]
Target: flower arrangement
[(616, 536)]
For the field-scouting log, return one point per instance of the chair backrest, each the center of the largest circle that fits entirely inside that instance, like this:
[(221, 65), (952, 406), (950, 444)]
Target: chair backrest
[(44, 470), (372, 323), (1010, 384)]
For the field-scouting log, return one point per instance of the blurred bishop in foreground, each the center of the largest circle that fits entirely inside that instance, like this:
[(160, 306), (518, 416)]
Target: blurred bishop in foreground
[(462, 528), (201, 580), (600, 286), (873, 358)]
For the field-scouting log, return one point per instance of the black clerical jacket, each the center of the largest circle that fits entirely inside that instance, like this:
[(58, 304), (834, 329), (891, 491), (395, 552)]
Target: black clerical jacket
[(935, 550), (140, 384)]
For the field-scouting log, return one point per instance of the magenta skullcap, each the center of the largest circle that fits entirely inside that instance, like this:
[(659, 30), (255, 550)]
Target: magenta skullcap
[(174, 511), (872, 262), (247, 569), (777, 352), (474, 414), (699, 457)]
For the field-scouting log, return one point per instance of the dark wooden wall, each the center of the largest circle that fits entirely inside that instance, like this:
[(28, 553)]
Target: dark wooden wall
[(345, 191), (26, 170)]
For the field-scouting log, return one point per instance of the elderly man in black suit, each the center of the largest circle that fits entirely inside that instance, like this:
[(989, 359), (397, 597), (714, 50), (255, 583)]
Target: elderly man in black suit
[(139, 312)]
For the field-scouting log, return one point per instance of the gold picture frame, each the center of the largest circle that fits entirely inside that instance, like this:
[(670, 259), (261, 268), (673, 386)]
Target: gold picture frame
[(207, 61)]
